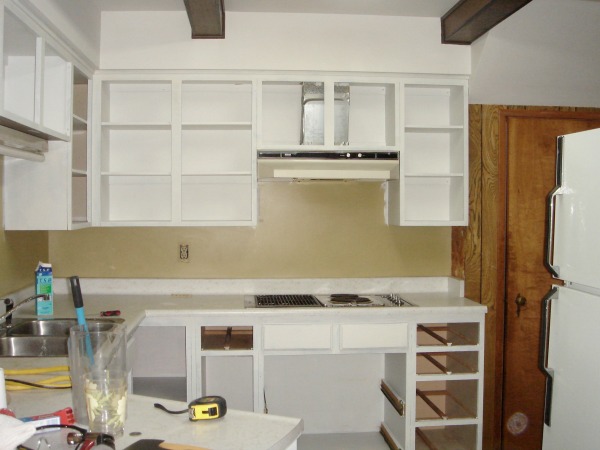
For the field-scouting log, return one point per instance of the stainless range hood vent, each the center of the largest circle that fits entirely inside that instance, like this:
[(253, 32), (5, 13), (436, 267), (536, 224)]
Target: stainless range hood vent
[(313, 104), (320, 165)]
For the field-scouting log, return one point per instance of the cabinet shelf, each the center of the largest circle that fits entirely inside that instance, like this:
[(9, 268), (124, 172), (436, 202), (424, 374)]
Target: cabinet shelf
[(458, 363), (79, 124), (409, 128), (447, 437), (136, 125), (227, 338), (135, 174), (433, 175), (446, 335), (217, 126), (188, 140), (443, 400), (342, 441)]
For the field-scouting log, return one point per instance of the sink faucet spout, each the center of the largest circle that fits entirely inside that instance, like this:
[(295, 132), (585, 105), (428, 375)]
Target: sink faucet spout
[(11, 307)]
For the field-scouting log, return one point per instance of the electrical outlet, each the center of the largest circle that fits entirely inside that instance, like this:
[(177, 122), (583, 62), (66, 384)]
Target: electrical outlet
[(184, 252)]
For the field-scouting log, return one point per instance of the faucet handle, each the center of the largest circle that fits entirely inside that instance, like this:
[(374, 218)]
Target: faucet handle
[(9, 304)]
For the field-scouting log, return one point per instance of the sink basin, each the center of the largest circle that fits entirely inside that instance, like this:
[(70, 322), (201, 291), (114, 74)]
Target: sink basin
[(44, 337), (33, 346), (55, 327)]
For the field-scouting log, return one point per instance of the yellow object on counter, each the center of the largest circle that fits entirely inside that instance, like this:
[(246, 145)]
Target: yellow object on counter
[(56, 382), (37, 371), (62, 381)]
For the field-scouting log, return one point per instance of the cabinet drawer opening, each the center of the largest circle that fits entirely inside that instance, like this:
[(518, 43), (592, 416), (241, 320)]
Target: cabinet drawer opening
[(227, 338), (463, 437), (447, 363), (451, 334), (443, 400)]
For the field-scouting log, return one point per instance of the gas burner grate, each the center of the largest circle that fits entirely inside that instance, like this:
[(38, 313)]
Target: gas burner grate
[(280, 301)]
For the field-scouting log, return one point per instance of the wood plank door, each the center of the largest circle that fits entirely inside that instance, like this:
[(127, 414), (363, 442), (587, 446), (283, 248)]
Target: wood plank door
[(528, 139)]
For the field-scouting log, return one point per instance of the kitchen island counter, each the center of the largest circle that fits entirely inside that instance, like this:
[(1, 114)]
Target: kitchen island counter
[(236, 430)]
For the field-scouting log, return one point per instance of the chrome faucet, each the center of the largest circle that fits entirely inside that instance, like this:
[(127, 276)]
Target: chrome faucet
[(11, 307)]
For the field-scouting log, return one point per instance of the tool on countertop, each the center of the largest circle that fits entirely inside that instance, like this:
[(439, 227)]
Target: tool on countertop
[(61, 417), (56, 382), (78, 302), (114, 312), (203, 408), (159, 444)]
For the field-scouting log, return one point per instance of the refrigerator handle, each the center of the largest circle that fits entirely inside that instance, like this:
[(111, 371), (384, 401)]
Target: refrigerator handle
[(543, 355), (548, 256)]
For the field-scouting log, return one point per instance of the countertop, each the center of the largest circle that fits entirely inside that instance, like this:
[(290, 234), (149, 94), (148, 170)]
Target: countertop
[(138, 299), (157, 300), (237, 430)]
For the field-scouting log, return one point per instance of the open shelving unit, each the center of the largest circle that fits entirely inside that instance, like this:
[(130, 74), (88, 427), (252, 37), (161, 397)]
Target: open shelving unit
[(175, 151), (433, 187), (370, 115), (81, 176), (36, 95), (449, 386), (167, 145)]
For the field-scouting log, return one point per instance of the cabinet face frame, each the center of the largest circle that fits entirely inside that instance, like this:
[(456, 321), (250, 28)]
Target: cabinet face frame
[(181, 126), (434, 122), (281, 97), (432, 184), (33, 121), (80, 187)]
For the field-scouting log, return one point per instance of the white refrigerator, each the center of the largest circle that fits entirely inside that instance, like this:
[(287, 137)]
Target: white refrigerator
[(570, 331)]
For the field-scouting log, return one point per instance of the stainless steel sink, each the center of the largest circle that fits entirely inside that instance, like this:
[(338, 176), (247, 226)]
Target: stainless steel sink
[(44, 337), (33, 346)]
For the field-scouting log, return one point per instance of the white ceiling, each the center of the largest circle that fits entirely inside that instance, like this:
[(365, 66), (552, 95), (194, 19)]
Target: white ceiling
[(417, 8)]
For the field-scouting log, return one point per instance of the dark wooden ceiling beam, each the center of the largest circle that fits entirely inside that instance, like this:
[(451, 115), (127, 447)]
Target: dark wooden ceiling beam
[(469, 19), (207, 18)]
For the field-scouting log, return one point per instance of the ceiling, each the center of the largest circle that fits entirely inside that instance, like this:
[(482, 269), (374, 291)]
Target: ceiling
[(417, 8)]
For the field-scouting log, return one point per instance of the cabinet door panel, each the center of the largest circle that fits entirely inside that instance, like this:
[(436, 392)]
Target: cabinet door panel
[(305, 336), (380, 335)]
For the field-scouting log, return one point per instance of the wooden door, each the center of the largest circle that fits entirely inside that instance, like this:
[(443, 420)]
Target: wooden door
[(530, 152)]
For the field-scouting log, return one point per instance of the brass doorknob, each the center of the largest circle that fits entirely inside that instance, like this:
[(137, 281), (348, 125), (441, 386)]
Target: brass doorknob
[(520, 301)]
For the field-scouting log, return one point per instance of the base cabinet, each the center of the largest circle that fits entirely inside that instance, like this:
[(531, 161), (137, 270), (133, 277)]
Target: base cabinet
[(416, 385)]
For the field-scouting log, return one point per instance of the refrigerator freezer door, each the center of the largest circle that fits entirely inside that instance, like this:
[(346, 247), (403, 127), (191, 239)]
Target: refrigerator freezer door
[(577, 209), (573, 356)]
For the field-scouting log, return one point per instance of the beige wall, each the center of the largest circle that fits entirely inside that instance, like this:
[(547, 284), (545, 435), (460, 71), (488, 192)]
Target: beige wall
[(306, 229), (20, 252)]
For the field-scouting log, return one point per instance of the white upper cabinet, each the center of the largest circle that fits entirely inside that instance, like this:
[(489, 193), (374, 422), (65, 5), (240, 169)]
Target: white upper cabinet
[(54, 194), (177, 149), (174, 151), (433, 184), (35, 83), (327, 113)]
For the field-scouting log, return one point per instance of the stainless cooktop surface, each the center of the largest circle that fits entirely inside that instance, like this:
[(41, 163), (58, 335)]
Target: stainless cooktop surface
[(327, 300)]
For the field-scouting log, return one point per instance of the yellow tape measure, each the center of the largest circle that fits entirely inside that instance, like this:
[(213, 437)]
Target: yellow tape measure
[(203, 408)]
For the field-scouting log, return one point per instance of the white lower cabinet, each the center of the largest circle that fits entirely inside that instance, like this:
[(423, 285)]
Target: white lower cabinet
[(374, 383)]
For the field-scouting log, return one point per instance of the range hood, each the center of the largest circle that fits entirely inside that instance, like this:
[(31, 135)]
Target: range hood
[(321, 164), (328, 165)]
